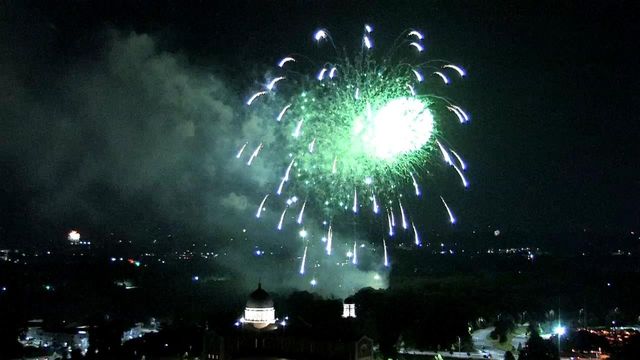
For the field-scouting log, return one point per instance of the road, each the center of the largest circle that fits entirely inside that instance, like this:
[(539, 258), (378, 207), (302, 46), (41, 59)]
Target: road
[(481, 341)]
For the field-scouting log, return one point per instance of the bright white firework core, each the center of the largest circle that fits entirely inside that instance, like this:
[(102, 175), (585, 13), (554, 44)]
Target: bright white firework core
[(400, 126)]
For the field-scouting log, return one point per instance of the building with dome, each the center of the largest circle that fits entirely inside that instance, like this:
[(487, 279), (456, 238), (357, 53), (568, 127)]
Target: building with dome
[(259, 314)]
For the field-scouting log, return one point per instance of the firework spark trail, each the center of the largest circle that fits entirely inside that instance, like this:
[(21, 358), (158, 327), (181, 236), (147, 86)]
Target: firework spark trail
[(404, 220), (333, 167), (462, 112), (261, 206), (416, 34), (304, 204), (286, 60), (463, 166), (312, 145), (445, 153), (444, 78), (452, 219), (355, 201), (284, 110), (274, 82), (465, 183), (332, 73), (415, 184), (255, 96), (375, 203), (320, 76), (296, 132), (354, 259), (286, 173), (416, 237), (329, 240), (254, 154), (390, 225), (393, 219), (304, 260), (411, 90), (417, 46), (367, 42), (418, 75), (320, 35), (241, 150), (386, 255), (457, 68), (282, 218), (279, 191), (458, 114)]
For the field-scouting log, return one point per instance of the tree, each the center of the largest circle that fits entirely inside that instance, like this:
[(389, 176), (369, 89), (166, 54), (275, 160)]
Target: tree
[(539, 349)]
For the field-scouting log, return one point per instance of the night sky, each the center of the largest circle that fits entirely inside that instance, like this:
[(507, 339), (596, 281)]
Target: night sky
[(119, 116)]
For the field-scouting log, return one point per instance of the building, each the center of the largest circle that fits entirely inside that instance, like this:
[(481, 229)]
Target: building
[(260, 334), (349, 308), (259, 314)]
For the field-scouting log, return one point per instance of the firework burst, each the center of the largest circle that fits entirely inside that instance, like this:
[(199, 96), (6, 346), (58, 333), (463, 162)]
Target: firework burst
[(357, 131)]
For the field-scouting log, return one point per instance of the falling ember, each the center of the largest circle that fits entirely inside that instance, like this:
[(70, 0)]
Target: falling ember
[(274, 82), (254, 154), (296, 132), (411, 90), (442, 76), (329, 240), (279, 191), (463, 166), (416, 34), (375, 204), (304, 260), (445, 153), (419, 47), (386, 256), (462, 112), (255, 96), (355, 201), (261, 206), (241, 150), (320, 76), (354, 259), (286, 173), (285, 60), (415, 185), (464, 180), (404, 219), (416, 237), (457, 113), (282, 218), (312, 145), (284, 110), (452, 219), (301, 212), (457, 68), (418, 75)]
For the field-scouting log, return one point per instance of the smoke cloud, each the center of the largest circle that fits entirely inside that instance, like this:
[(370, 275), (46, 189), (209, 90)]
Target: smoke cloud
[(136, 138)]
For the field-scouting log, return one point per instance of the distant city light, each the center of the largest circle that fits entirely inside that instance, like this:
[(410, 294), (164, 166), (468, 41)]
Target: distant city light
[(196, 278), (559, 330)]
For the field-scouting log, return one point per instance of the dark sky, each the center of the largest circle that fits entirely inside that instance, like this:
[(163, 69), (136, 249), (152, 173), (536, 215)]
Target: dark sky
[(104, 124)]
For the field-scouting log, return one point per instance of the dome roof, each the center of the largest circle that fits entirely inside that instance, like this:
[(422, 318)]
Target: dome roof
[(350, 300), (260, 299)]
